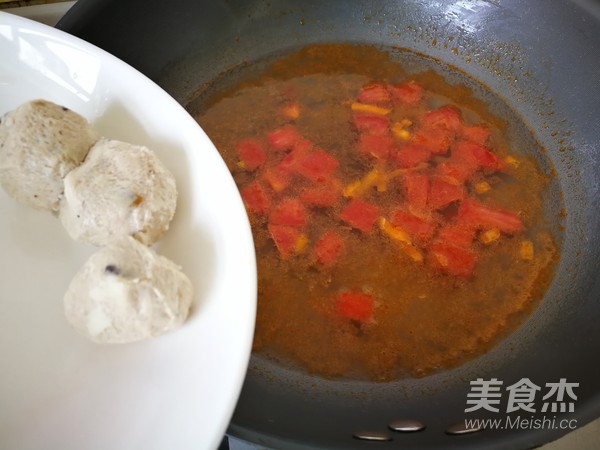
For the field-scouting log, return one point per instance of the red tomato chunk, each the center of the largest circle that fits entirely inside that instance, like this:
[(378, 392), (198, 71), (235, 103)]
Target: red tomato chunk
[(285, 238), (374, 94), (255, 198), (283, 138), (436, 141), (328, 248), (442, 193), (452, 260), (371, 123), (252, 153), (474, 133), (379, 147), (409, 93), (289, 212), (354, 306), (416, 187), (476, 215), (411, 155), (360, 215), (292, 160), (475, 155), (454, 172), (322, 195), (417, 227), (446, 118), (318, 165)]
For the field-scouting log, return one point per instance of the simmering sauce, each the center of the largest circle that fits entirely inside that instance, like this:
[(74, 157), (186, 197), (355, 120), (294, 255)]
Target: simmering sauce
[(398, 232)]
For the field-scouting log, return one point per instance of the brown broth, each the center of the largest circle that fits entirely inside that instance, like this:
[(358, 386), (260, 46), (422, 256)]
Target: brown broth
[(424, 321)]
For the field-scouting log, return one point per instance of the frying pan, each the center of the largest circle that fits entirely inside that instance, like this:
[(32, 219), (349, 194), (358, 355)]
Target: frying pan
[(542, 58)]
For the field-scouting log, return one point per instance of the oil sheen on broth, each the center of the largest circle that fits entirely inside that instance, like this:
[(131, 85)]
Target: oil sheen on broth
[(398, 230)]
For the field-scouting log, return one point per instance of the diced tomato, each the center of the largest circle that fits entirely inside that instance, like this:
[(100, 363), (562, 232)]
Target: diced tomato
[(476, 215), (442, 193), (319, 197), (452, 260), (476, 155), (322, 195), (291, 161), (284, 138), (447, 118), (318, 165), (354, 306), (454, 172), (360, 215), (408, 93), (255, 198), (371, 124), (276, 177), (285, 238), (379, 147), (417, 227), (410, 155), (416, 187), (374, 94), (251, 152), (289, 212), (328, 248), (456, 235), (475, 133), (437, 141), (302, 146)]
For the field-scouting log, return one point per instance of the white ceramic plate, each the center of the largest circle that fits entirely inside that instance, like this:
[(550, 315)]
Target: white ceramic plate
[(178, 391)]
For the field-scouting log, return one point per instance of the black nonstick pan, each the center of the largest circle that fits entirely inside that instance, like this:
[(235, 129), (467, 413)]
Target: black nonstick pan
[(542, 58)]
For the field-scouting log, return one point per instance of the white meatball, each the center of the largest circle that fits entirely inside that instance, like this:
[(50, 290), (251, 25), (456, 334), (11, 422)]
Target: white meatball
[(40, 142), (126, 292), (120, 189)]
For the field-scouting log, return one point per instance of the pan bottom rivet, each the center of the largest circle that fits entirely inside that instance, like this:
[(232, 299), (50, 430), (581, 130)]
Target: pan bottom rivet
[(373, 436), (406, 425)]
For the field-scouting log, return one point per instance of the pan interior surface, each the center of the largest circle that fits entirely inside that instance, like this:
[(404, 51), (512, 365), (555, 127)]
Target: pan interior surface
[(304, 70), (271, 380)]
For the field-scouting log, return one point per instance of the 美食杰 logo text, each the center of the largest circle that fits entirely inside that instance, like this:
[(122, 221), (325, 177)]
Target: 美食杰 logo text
[(522, 400)]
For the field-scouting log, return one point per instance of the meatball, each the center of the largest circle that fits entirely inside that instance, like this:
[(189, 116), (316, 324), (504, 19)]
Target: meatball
[(126, 292), (40, 142), (120, 189)]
